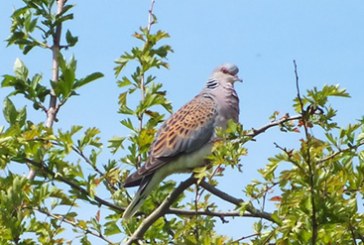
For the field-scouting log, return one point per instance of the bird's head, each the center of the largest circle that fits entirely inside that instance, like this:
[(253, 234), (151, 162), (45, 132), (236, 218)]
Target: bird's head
[(226, 73)]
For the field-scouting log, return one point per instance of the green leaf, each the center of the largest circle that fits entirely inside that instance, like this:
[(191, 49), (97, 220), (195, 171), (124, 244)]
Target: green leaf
[(9, 110), (116, 143), (20, 70), (90, 78), (124, 109), (71, 40), (64, 86), (84, 241), (124, 82), (90, 138), (111, 228), (8, 81), (61, 19)]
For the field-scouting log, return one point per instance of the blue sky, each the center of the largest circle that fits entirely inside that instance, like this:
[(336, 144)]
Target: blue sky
[(326, 38)]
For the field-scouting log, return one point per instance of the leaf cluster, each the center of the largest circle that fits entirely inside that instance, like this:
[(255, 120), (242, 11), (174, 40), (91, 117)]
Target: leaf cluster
[(37, 22), (319, 183)]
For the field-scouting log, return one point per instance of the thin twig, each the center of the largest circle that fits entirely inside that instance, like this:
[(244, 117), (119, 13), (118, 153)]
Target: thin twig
[(142, 77), (308, 160), (88, 161), (151, 19), (335, 154), (256, 132), (245, 237), (238, 202), (208, 212), (74, 224), (45, 169), (289, 154), (297, 85)]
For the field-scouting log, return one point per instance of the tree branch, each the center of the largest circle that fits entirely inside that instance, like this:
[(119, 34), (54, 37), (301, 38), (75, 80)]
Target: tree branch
[(238, 202), (42, 167), (208, 212), (52, 109), (335, 154), (160, 211), (51, 116), (256, 132)]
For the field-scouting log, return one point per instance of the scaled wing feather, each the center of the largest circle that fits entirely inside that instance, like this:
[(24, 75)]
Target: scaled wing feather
[(185, 131)]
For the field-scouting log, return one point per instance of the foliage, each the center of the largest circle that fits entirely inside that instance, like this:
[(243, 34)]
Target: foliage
[(317, 186)]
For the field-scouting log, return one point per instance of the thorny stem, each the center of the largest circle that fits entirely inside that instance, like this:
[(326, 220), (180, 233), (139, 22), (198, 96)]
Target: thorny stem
[(308, 160)]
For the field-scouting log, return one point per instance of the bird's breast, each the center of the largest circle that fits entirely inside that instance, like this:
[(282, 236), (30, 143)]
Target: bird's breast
[(187, 162)]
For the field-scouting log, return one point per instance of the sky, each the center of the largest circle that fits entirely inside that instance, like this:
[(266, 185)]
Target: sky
[(326, 38)]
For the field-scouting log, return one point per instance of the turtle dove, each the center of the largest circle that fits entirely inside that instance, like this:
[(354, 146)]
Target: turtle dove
[(185, 140)]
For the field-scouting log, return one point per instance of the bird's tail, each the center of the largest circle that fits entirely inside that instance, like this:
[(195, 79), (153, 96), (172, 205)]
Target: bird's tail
[(146, 186)]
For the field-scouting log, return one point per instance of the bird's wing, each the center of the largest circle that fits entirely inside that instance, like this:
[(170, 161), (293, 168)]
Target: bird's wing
[(187, 130)]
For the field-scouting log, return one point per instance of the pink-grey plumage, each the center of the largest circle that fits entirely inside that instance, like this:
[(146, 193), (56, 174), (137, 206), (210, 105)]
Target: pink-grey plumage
[(186, 138)]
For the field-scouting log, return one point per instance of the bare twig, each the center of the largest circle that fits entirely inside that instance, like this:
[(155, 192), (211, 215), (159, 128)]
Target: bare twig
[(297, 85), (160, 211), (151, 17)]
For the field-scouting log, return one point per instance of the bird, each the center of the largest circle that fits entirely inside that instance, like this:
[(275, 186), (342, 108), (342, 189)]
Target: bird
[(186, 138)]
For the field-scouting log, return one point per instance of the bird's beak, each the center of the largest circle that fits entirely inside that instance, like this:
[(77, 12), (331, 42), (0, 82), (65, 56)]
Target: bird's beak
[(237, 79)]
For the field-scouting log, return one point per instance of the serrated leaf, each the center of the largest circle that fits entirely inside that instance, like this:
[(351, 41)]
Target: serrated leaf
[(123, 82), (116, 143)]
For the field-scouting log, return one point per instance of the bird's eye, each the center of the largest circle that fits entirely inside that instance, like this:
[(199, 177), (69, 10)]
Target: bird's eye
[(224, 70)]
